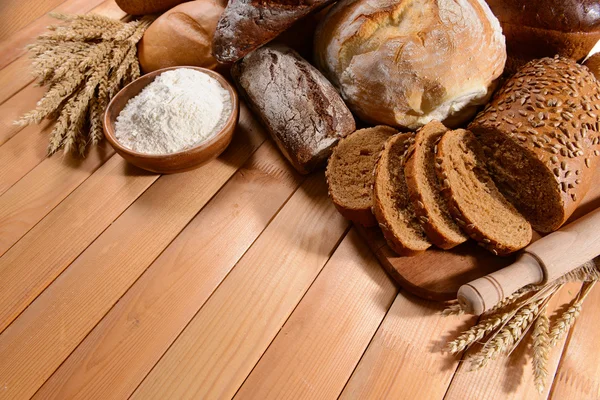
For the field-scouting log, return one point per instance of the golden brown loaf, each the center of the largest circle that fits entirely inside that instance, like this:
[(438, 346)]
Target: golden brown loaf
[(541, 137), (545, 28), (181, 36), (351, 173), (405, 63), (141, 7)]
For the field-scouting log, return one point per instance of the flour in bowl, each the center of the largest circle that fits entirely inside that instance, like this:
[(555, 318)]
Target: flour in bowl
[(180, 109)]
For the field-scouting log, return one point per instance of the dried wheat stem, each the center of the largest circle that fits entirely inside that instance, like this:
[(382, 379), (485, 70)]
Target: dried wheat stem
[(541, 349), (567, 319)]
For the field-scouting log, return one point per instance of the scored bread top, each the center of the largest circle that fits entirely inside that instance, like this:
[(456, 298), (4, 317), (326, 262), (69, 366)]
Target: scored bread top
[(391, 203), (473, 198), (541, 134), (429, 204), (350, 173)]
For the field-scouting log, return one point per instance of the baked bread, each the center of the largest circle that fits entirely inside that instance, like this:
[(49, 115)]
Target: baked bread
[(299, 108), (544, 28), (351, 173), (425, 191), (391, 202), (473, 198), (541, 135), (143, 7), (405, 63), (181, 36), (248, 24), (593, 63)]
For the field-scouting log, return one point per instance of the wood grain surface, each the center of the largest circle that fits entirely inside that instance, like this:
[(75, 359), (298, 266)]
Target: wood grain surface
[(238, 279)]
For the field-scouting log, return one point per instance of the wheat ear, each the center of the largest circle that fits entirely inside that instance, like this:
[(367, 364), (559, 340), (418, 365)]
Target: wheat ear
[(541, 349), (567, 319)]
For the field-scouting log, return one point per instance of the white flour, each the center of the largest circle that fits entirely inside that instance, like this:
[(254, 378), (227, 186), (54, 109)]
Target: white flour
[(180, 109)]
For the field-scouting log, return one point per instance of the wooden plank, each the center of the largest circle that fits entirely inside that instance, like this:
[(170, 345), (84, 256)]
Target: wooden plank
[(510, 378), (14, 46), (578, 375), (405, 358), (221, 345), (22, 13), (22, 153), (40, 339), (33, 197), (16, 75), (15, 107), (328, 332), (116, 356), (41, 255)]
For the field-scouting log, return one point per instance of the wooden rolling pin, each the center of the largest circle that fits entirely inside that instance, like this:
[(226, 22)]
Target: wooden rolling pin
[(541, 262)]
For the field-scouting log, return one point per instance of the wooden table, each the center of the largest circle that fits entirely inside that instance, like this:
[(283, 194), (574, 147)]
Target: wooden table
[(238, 279)]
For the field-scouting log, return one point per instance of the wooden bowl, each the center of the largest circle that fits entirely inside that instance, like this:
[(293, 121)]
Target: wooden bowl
[(174, 162)]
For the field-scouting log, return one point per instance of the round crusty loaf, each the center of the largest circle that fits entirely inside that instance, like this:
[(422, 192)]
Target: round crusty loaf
[(544, 28), (391, 202), (473, 198), (593, 63), (405, 63), (142, 7), (181, 36), (350, 173), (425, 192), (541, 135)]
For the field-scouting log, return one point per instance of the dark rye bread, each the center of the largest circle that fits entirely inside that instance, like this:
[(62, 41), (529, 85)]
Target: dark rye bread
[(424, 189), (391, 203), (247, 24), (351, 173), (540, 135), (301, 110), (473, 198)]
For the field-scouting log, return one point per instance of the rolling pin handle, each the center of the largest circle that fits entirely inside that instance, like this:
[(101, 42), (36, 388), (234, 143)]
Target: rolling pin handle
[(484, 293)]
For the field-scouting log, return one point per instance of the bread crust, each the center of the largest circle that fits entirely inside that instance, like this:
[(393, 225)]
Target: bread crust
[(593, 63), (436, 233), (551, 109), (299, 108), (406, 63)]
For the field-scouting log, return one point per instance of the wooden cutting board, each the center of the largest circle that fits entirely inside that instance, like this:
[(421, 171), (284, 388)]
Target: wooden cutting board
[(437, 274)]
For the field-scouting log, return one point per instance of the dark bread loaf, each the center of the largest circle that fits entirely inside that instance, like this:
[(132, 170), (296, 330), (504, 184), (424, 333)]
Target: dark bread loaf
[(473, 198), (391, 202), (425, 190), (248, 24), (142, 7), (593, 63), (300, 109), (544, 28), (541, 135), (351, 173)]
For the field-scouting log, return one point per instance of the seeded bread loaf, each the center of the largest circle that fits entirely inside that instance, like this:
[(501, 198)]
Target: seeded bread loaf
[(351, 173), (247, 24), (391, 202), (425, 191), (299, 108), (540, 135), (473, 198)]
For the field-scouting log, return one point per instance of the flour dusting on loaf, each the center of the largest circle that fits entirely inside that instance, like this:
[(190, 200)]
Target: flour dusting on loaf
[(406, 63)]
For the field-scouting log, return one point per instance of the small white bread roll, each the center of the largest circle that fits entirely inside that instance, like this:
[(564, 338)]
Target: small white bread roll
[(408, 62)]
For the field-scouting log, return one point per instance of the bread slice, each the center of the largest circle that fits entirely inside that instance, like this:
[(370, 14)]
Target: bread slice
[(350, 173), (473, 198), (425, 192), (391, 203)]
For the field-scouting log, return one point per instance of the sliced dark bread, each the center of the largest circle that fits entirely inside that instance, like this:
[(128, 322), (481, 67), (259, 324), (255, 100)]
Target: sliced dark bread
[(425, 191), (391, 203), (473, 198), (350, 173)]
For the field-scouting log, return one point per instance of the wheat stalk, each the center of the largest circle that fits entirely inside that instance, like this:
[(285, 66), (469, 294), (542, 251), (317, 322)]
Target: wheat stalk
[(84, 63), (567, 319), (541, 349)]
